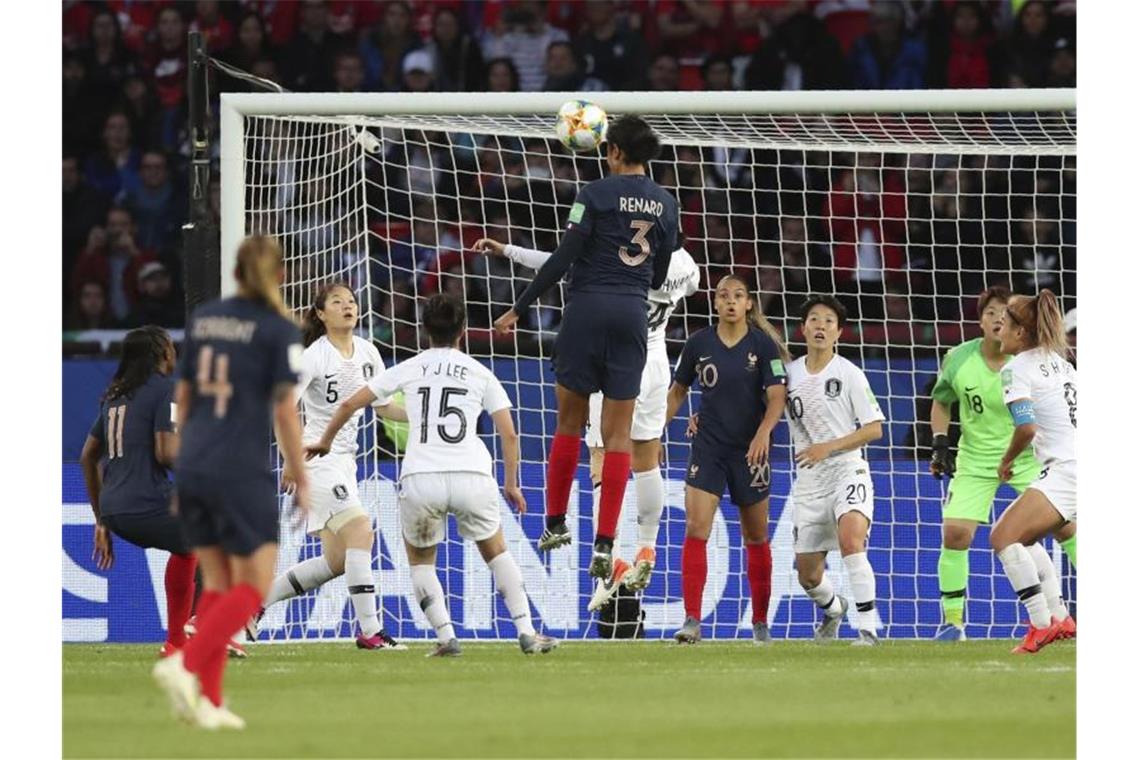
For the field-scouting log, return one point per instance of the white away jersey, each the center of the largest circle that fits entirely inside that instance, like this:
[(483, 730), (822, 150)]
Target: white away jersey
[(825, 406), (1050, 382), (445, 390), (328, 379), (682, 280)]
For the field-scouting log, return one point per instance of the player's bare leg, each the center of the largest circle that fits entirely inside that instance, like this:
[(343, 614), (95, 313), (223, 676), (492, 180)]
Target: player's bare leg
[(754, 529), (700, 508), (617, 417), (433, 602), (573, 412), (810, 568), (1029, 518), (853, 529), (649, 486), (509, 582)]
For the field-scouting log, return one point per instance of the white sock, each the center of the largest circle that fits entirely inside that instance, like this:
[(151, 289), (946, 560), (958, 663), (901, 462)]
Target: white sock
[(362, 589), (1050, 586), (1022, 573), (862, 579), (302, 577), (824, 596), (598, 507), (650, 489), (508, 579), (429, 593)]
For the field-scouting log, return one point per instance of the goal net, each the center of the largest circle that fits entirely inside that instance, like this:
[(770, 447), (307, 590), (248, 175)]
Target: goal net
[(905, 205)]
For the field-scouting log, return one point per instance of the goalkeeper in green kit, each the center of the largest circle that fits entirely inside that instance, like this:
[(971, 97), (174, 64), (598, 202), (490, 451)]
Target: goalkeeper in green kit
[(971, 377)]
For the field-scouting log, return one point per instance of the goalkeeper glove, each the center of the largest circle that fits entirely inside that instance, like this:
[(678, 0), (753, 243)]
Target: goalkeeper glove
[(942, 458)]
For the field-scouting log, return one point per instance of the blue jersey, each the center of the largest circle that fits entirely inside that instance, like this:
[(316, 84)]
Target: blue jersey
[(734, 383), (133, 480), (630, 224), (237, 355)]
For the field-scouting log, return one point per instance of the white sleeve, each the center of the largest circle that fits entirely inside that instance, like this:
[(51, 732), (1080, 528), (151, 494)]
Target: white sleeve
[(495, 397), (693, 278), (309, 370), (1015, 381), (528, 257), (862, 398), (386, 383), (378, 363)]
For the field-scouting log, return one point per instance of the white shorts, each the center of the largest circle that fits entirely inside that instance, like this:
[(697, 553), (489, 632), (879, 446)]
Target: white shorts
[(816, 512), (1059, 484), (333, 492), (426, 498), (648, 409)]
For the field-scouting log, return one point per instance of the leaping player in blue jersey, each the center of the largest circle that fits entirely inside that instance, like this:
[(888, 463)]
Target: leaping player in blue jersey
[(621, 235)]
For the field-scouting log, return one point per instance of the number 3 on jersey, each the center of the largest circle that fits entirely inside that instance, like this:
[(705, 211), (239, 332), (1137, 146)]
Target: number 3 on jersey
[(641, 228), (446, 410)]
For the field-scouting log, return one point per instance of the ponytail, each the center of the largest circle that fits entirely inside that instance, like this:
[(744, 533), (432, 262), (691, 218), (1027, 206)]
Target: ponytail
[(756, 318), (259, 266), (144, 350), (1041, 317), (312, 327)]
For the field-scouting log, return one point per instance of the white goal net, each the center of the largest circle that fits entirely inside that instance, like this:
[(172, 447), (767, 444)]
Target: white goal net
[(904, 205)]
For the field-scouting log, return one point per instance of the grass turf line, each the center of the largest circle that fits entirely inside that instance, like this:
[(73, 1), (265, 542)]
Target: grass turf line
[(643, 699)]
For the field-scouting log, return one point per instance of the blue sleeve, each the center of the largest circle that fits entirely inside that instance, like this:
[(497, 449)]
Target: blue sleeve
[(772, 371), (96, 430), (285, 355), (164, 406), (570, 248), (686, 371), (1022, 412)]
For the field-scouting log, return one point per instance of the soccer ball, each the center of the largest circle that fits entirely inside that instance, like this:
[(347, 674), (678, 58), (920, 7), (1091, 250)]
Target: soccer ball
[(581, 125)]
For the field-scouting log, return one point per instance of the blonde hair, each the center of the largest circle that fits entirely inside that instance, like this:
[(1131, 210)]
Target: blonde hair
[(259, 264), (1040, 316), (757, 319)]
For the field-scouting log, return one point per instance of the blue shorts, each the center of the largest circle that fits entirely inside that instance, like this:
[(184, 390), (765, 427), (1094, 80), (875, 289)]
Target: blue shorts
[(240, 515), (150, 530), (711, 468), (601, 345)]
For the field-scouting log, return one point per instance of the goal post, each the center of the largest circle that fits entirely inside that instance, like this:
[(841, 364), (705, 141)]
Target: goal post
[(905, 204)]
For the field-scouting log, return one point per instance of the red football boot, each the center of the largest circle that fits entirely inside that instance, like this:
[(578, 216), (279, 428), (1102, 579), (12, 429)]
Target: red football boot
[(1037, 638)]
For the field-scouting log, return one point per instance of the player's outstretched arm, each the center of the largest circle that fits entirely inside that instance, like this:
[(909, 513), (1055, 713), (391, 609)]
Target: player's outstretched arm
[(570, 248), (872, 431), (528, 257), (392, 411), (287, 424), (505, 427), (340, 418), (758, 448), (1024, 432)]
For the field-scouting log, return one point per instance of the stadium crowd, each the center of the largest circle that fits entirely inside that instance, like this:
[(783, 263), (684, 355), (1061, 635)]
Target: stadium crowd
[(907, 240)]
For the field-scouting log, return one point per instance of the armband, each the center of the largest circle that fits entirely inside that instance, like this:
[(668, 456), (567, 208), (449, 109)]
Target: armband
[(1022, 412)]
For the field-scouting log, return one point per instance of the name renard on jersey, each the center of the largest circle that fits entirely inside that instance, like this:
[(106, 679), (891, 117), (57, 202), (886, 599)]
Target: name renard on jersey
[(635, 205)]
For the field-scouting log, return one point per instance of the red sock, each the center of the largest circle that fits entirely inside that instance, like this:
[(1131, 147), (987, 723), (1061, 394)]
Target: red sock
[(210, 676), (694, 568), (760, 579), (560, 472), (179, 596), (205, 600), (615, 475), (224, 617)]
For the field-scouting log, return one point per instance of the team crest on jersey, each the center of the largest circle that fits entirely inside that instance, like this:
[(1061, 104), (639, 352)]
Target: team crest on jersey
[(833, 387), (693, 470), (340, 492), (368, 370), (752, 362)]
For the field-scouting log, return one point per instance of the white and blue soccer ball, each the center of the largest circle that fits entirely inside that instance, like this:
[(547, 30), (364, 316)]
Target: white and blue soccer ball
[(581, 125)]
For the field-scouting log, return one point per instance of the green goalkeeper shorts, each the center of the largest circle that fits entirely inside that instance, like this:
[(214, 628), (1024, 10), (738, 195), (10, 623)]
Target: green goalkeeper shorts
[(971, 497)]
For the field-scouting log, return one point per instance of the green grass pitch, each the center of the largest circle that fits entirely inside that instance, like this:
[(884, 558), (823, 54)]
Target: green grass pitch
[(643, 699)]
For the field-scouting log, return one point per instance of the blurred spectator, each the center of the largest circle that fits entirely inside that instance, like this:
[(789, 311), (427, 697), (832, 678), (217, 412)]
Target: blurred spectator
[(308, 59), (611, 51), (82, 110), (106, 60), (961, 58), (716, 73), (155, 205), (136, 19), (1063, 66), (114, 170), (888, 58), (348, 72), (217, 31), (77, 16), (157, 302), (691, 27), (89, 309), (280, 18), (502, 76), (83, 208), (799, 55), (564, 71), (266, 68), (386, 45), (252, 43), (523, 35), (845, 20), (115, 263), (1029, 48), (458, 59), (140, 104), (664, 73), (418, 71), (165, 60)]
